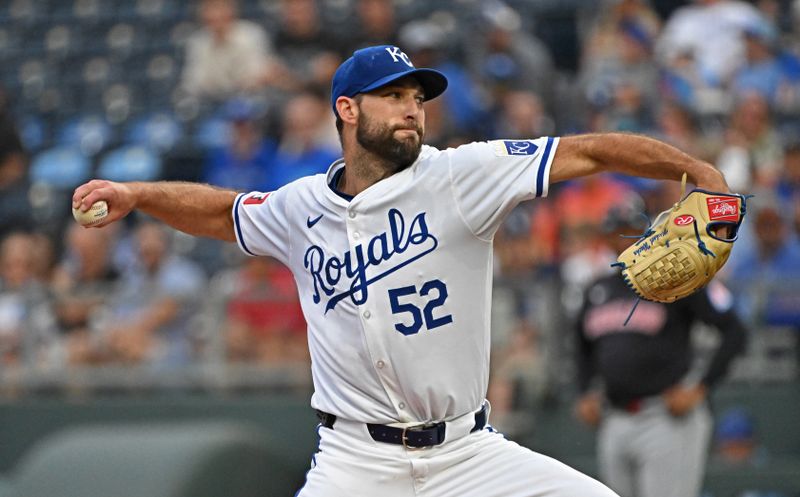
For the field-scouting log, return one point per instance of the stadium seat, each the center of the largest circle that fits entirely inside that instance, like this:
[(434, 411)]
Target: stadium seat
[(24, 12), (158, 131), (96, 71), (60, 41), (213, 132), (161, 67), (90, 133), (61, 167), (87, 11), (130, 163), (180, 34), (33, 132), (122, 40), (9, 42), (118, 100), (199, 459), (32, 74)]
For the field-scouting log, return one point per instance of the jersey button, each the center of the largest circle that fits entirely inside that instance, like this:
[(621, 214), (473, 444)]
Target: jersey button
[(356, 235), (380, 364), (367, 314), (352, 214), (401, 405)]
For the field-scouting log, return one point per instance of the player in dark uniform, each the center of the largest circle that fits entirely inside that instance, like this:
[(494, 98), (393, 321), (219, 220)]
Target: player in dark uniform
[(638, 383)]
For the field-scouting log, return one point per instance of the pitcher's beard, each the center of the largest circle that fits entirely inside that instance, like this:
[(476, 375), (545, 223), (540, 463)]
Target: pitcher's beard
[(379, 139)]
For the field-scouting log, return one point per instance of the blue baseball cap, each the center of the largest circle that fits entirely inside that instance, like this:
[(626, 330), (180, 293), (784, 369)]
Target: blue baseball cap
[(373, 67)]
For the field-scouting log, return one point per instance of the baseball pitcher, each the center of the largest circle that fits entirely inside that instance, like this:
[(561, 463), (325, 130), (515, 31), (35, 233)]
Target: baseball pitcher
[(392, 253)]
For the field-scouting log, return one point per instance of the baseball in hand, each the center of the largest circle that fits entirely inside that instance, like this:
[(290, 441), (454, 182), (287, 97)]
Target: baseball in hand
[(93, 216)]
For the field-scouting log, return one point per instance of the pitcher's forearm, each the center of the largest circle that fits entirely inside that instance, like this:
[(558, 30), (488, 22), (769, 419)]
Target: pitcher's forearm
[(635, 155), (196, 209)]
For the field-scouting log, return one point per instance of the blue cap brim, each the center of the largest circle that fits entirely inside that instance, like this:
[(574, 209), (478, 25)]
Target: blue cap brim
[(432, 81)]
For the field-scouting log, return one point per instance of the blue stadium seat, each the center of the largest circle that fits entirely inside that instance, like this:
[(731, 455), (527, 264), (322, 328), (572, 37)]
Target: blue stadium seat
[(180, 34), (10, 42), (33, 132), (94, 71), (24, 12), (61, 167), (60, 41), (123, 40), (130, 163), (159, 131), (213, 132), (90, 134), (87, 11), (32, 72)]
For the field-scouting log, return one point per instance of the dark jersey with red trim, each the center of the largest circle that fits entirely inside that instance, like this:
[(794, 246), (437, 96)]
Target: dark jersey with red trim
[(653, 351)]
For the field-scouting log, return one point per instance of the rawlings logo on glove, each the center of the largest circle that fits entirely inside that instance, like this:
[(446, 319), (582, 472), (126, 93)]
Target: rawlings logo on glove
[(684, 247)]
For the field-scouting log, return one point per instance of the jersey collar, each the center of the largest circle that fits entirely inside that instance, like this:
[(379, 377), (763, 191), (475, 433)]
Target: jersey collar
[(337, 169)]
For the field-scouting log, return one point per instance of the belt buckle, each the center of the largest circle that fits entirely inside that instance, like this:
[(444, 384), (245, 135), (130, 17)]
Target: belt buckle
[(404, 439), (404, 435)]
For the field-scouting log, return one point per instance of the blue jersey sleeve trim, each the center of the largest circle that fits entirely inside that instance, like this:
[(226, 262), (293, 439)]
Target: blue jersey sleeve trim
[(238, 225), (543, 166)]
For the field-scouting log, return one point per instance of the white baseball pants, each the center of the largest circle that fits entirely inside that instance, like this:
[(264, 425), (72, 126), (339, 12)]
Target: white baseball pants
[(350, 463)]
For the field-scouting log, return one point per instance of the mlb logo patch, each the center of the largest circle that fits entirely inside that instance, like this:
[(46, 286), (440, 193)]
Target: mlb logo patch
[(256, 198), (516, 147)]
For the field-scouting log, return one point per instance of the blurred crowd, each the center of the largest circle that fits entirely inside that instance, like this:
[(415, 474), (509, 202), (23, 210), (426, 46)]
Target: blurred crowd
[(236, 95)]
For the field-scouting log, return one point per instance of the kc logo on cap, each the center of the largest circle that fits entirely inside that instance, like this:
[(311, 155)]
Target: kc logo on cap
[(372, 67), (398, 55)]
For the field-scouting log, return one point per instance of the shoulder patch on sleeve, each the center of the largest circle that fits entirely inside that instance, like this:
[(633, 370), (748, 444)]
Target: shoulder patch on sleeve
[(719, 296), (514, 147), (255, 198)]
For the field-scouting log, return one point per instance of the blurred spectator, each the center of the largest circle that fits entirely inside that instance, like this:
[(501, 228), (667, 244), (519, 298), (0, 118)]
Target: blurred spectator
[(228, 55), (683, 82), (629, 70), (735, 441), (584, 256), (602, 42), (244, 163), (660, 196), (25, 320), (629, 110), (303, 39), (44, 257), (82, 284), (15, 208), (464, 104), (677, 126), (506, 56), (150, 314), (307, 144), (584, 203), (519, 378), (523, 116), (376, 24), (263, 321), (788, 188), (753, 153), (766, 71), (767, 277), (709, 32), (522, 244)]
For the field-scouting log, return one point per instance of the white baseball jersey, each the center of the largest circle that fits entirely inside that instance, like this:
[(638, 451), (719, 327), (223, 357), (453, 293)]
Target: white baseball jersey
[(395, 284)]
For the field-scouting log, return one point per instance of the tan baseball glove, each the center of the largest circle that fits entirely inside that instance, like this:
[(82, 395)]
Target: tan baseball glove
[(684, 247)]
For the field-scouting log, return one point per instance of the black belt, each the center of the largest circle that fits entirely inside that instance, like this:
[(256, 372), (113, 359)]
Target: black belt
[(414, 436)]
